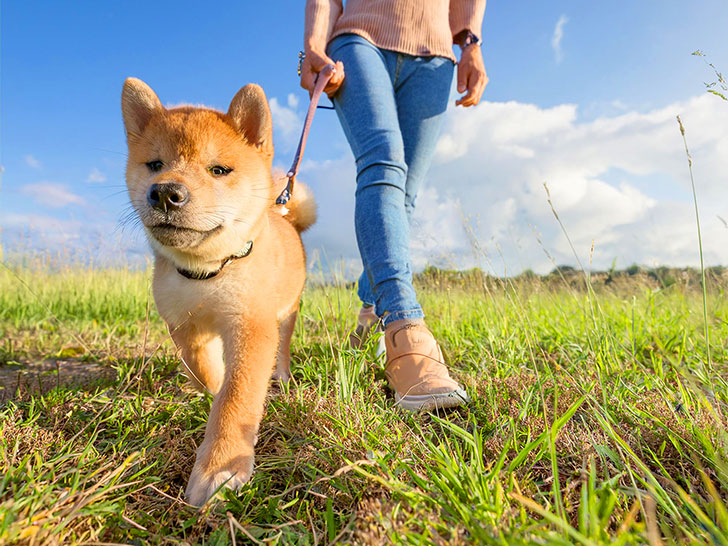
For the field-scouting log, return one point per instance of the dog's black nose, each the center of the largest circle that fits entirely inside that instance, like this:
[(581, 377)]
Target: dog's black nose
[(170, 195)]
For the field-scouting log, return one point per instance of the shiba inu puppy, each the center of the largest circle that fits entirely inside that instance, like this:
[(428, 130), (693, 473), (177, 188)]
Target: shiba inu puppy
[(229, 264)]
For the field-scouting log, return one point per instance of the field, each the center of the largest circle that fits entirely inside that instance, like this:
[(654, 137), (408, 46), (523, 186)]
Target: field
[(598, 416)]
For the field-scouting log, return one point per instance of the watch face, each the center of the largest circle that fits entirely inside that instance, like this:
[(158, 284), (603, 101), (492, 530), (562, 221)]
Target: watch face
[(466, 38), (470, 39)]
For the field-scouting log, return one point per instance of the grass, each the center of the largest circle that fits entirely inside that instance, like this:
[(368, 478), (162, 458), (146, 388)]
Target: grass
[(596, 418)]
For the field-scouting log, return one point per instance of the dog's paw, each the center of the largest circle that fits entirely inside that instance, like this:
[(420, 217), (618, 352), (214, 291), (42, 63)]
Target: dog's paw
[(204, 483)]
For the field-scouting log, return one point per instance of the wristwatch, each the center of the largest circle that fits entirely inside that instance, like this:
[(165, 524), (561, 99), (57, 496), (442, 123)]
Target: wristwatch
[(467, 38)]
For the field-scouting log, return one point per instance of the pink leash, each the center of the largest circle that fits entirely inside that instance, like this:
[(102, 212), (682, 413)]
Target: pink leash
[(321, 80)]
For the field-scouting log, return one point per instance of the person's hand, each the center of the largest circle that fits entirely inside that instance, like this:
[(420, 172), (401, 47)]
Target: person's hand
[(313, 63), (471, 76)]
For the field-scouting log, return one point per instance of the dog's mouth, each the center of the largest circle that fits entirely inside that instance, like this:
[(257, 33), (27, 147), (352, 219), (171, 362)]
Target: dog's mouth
[(179, 236)]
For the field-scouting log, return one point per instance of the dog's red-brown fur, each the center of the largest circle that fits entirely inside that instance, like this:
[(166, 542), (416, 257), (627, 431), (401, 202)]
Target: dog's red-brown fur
[(235, 328)]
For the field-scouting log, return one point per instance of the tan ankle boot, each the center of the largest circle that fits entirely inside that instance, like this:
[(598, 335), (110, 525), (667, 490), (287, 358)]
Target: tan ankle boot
[(416, 370)]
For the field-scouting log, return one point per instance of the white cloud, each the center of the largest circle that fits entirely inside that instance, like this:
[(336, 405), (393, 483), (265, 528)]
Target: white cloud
[(32, 162), (52, 195), (287, 121), (96, 176), (557, 37), (620, 181)]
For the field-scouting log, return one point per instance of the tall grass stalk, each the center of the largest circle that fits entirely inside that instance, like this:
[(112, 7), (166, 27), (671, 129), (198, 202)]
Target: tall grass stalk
[(700, 241)]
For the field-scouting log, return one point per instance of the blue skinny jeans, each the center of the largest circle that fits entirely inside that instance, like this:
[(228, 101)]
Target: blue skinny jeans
[(390, 107)]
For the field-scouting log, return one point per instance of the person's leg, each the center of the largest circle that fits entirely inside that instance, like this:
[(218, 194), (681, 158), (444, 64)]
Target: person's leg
[(415, 365), (364, 290), (420, 117), (421, 91), (366, 107)]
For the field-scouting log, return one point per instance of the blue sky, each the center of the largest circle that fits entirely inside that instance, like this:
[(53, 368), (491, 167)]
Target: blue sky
[(616, 64)]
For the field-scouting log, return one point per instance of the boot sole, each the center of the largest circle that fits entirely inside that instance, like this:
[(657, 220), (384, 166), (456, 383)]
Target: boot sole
[(429, 402)]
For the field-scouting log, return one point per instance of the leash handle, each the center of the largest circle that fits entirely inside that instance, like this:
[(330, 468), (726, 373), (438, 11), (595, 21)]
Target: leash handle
[(322, 79)]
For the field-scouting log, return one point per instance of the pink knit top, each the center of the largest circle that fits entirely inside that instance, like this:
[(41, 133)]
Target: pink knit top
[(416, 27)]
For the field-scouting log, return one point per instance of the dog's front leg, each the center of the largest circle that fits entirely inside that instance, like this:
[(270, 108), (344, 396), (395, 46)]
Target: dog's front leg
[(226, 454)]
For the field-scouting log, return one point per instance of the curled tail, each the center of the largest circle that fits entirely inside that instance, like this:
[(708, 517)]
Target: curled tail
[(301, 209)]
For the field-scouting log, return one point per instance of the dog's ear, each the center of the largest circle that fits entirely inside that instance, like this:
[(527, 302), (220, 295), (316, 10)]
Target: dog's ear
[(250, 114), (138, 104)]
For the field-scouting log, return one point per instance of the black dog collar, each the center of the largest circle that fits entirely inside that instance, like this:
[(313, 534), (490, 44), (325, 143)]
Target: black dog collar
[(195, 276)]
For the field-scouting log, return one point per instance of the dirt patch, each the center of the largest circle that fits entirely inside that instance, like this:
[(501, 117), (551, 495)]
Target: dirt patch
[(20, 379)]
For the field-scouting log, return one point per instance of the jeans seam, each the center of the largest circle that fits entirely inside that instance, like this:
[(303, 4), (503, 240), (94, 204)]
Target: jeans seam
[(400, 59)]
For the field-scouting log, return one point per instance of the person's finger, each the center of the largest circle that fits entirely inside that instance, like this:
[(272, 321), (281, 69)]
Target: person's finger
[(463, 101), (469, 99), (463, 72), (468, 86), (331, 89), (315, 61), (476, 88), (312, 66), (337, 78), (307, 78), (483, 85), (339, 75), (318, 62), (308, 74), (483, 81), (479, 89), (477, 94)]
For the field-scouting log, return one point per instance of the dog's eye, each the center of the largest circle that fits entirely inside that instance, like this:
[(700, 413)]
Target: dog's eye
[(155, 166), (219, 170)]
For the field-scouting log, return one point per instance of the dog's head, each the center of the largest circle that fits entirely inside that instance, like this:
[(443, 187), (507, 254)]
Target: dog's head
[(199, 179)]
